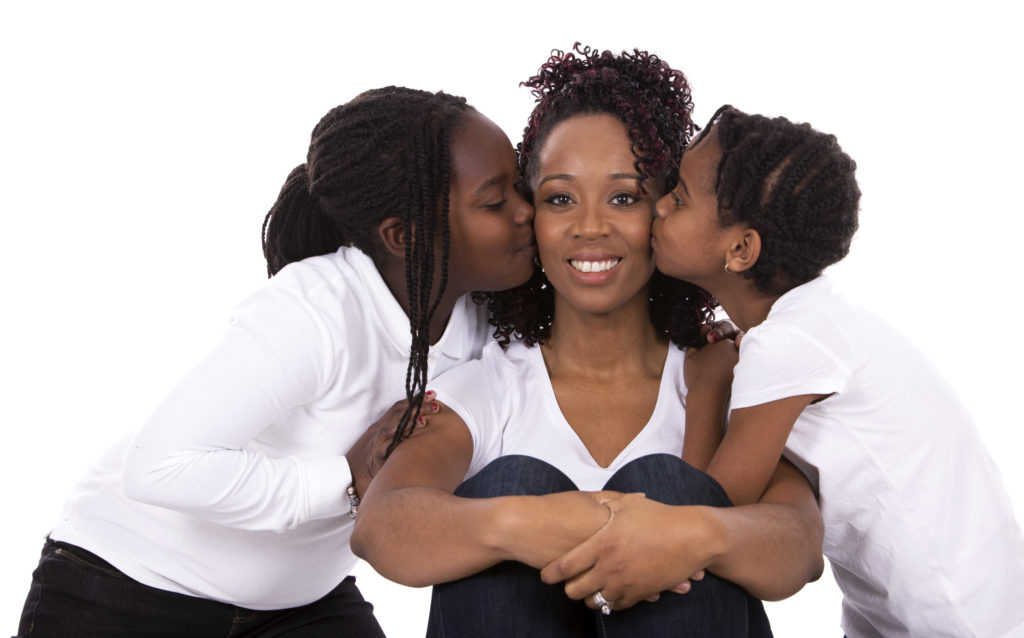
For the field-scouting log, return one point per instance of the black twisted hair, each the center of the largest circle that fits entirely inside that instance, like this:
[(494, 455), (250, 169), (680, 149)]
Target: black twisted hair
[(792, 184), (653, 102), (386, 153)]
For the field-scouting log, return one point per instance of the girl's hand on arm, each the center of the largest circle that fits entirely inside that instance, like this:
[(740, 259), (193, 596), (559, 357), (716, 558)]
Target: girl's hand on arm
[(724, 329), (367, 454)]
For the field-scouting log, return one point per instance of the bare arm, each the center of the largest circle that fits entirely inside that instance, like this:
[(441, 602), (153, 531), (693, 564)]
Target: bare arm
[(771, 548), (708, 374), (413, 530), (746, 460)]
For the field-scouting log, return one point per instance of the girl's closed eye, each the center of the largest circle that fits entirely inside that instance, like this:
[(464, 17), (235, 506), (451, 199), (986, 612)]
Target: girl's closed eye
[(497, 205)]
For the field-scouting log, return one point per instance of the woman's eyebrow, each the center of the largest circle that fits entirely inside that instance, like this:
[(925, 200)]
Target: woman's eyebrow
[(624, 176), (548, 178)]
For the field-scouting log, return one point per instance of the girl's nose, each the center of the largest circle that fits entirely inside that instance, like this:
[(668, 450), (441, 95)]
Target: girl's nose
[(661, 207), (522, 214)]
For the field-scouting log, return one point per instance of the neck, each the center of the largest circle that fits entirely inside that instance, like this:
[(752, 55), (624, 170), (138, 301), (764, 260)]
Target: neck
[(743, 302), (621, 342), (393, 273)]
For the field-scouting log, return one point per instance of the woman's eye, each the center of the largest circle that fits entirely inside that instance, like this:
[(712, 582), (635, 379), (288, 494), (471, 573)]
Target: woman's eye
[(676, 199), (558, 199), (496, 205), (624, 199)]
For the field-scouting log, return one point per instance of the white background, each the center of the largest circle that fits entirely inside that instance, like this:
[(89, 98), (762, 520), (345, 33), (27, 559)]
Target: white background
[(141, 145)]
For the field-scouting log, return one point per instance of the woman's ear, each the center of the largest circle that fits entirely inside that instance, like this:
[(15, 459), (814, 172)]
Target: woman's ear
[(392, 234), (744, 250)]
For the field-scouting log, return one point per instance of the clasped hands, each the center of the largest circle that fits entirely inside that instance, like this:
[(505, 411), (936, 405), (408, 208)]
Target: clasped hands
[(644, 548)]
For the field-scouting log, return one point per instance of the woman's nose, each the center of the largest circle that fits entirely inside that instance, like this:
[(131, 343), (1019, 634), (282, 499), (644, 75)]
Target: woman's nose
[(591, 222)]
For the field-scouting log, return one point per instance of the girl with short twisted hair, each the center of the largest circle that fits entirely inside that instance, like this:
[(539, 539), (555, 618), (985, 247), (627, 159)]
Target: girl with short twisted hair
[(919, 529)]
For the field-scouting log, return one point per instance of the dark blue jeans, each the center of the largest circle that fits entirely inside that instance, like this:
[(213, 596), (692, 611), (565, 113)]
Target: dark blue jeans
[(75, 593), (510, 600)]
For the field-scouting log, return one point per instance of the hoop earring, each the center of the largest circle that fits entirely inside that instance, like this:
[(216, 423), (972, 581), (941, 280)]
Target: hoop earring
[(727, 267)]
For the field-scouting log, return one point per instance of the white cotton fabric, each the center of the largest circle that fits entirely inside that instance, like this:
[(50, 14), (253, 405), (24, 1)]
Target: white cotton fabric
[(509, 406), (234, 490), (918, 526)]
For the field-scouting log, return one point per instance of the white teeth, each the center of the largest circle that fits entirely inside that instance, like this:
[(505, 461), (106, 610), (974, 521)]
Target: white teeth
[(594, 266)]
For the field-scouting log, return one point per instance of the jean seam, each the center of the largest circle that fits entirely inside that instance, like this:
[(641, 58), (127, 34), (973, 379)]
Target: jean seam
[(46, 560), (81, 561)]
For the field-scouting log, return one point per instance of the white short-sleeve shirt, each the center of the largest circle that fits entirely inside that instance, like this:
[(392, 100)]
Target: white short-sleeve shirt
[(919, 529)]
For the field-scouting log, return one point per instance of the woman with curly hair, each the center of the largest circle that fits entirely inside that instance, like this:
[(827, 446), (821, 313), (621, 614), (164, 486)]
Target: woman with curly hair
[(585, 390)]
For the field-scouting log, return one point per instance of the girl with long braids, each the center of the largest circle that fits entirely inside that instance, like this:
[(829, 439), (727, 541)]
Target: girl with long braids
[(585, 390), (919, 529), (230, 511)]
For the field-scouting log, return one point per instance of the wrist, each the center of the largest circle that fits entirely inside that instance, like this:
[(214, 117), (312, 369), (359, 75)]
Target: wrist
[(510, 516), (712, 535)]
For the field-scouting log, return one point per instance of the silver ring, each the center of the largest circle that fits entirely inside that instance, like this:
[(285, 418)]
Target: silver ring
[(603, 603)]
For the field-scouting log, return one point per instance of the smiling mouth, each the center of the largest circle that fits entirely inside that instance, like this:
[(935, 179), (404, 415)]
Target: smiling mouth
[(594, 266)]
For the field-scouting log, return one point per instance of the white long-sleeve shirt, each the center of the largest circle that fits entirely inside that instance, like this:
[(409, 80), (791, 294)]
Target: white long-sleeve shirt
[(234, 490)]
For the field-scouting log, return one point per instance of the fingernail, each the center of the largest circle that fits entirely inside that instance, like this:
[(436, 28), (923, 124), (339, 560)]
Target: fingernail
[(436, 406), (712, 337), (429, 396), (420, 421)]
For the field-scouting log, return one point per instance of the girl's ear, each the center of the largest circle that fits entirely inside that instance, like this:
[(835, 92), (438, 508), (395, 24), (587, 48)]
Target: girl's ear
[(392, 233), (744, 250)]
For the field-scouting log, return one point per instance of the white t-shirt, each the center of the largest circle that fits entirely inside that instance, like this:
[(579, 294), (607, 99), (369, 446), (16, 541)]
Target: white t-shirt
[(918, 526), (509, 406), (236, 485)]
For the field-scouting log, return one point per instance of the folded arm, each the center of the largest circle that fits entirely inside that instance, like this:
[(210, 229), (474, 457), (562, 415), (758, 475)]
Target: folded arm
[(413, 530), (771, 548), (193, 454)]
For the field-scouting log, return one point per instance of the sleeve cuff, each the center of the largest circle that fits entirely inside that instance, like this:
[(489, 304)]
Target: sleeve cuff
[(326, 481)]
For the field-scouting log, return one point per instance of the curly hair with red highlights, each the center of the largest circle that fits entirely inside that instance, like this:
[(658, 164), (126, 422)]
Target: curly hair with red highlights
[(653, 102), (651, 98)]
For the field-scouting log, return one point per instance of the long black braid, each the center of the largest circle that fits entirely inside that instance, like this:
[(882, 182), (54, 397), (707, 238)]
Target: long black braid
[(386, 153), (792, 184)]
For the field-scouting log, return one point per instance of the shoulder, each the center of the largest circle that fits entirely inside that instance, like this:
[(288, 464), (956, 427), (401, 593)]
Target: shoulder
[(811, 318), (495, 368), (325, 279)]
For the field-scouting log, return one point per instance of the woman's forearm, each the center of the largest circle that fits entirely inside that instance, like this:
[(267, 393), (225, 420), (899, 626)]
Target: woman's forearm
[(773, 547), (421, 536), (770, 550), (415, 531)]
